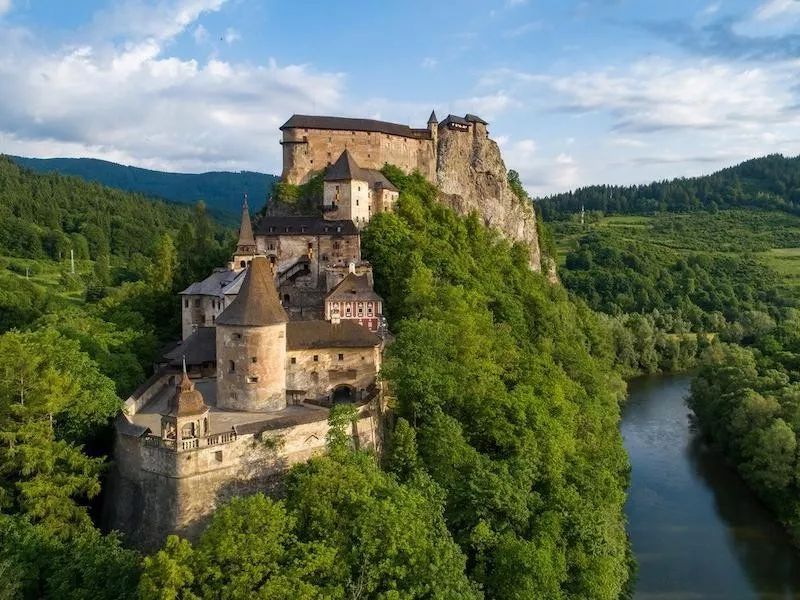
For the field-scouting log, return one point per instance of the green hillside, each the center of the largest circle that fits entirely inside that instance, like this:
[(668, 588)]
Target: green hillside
[(220, 190), (770, 182)]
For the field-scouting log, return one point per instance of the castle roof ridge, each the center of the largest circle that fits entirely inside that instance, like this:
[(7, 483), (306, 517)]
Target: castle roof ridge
[(347, 123)]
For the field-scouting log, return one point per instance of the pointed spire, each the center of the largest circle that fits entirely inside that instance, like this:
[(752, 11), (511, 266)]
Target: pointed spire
[(432, 118), (247, 242), (186, 400), (257, 303)]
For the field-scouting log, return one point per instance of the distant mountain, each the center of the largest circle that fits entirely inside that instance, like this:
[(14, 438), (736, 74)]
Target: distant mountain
[(770, 182), (221, 191)]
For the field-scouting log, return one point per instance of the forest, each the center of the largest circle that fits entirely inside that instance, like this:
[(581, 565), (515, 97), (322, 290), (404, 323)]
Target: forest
[(504, 474), (221, 191), (770, 182)]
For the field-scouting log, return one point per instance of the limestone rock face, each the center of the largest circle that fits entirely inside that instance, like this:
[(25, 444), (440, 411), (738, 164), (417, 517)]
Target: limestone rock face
[(472, 176)]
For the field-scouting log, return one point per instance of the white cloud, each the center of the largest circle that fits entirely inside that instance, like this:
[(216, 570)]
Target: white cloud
[(711, 9), (133, 102), (771, 9), (429, 62), (5, 6), (488, 107), (231, 36), (200, 34), (659, 94)]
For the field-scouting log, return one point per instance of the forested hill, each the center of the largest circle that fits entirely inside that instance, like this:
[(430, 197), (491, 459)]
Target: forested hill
[(47, 215), (221, 191), (770, 182)]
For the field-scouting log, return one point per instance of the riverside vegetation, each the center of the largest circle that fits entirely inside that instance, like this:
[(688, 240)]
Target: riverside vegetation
[(712, 290)]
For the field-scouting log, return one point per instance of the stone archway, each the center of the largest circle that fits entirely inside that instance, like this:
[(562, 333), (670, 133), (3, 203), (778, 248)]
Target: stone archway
[(344, 394)]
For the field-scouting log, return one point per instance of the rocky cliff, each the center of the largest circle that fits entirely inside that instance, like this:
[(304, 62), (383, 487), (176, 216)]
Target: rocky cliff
[(472, 176)]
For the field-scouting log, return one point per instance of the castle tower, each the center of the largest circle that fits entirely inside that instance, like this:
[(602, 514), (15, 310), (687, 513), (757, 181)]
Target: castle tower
[(251, 345), (433, 128), (186, 418), (246, 246)]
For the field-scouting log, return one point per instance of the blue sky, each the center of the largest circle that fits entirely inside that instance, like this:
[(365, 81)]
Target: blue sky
[(577, 92)]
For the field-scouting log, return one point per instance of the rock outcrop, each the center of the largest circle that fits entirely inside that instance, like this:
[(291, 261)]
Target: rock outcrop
[(472, 176)]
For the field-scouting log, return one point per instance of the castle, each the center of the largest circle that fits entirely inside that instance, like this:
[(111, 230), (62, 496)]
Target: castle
[(290, 326)]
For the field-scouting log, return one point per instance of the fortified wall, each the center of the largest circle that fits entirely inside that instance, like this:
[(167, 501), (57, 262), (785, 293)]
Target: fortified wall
[(455, 154)]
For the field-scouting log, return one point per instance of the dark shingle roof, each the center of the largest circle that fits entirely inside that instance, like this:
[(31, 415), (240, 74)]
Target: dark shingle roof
[(432, 118), (186, 400), (353, 286), (200, 347), (257, 304), (246, 239), (475, 119), (323, 334), (346, 168), (304, 226), (345, 123), (215, 284), (454, 119)]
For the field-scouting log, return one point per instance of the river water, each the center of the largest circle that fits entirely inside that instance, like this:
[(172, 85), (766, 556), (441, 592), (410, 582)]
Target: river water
[(697, 531)]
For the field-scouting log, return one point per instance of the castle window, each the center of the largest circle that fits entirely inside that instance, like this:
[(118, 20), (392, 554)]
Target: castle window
[(272, 230), (237, 336), (242, 264), (329, 154), (253, 359), (329, 138), (303, 230), (336, 245), (341, 357), (287, 229), (272, 246), (316, 358), (213, 319), (359, 189), (305, 130), (231, 367), (293, 360), (286, 299), (339, 228), (185, 303), (310, 244), (252, 379), (311, 162), (218, 455), (197, 302), (325, 258)]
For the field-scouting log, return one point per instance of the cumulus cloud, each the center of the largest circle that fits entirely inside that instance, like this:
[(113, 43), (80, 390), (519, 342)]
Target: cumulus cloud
[(133, 102)]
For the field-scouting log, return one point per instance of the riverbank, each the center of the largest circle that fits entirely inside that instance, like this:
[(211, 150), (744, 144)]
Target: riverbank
[(696, 529)]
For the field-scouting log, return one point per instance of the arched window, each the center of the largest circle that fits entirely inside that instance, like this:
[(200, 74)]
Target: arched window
[(242, 264)]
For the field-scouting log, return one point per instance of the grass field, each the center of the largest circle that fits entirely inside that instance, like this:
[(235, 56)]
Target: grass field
[(773, 237)]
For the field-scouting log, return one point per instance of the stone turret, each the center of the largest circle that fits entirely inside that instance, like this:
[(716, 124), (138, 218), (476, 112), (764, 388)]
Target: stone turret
[(186, 417), (251, 345), (246, 246), (433, 128)]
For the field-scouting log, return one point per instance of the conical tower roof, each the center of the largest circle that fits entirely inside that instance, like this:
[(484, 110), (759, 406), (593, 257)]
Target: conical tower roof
[(247, 242), (432, 118), (186, 401), (257, 304)]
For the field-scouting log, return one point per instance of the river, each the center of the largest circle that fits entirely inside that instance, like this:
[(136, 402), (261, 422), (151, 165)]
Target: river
[(697, 531)]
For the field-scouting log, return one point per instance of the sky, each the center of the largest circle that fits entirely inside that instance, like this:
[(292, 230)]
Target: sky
[(577, 92)]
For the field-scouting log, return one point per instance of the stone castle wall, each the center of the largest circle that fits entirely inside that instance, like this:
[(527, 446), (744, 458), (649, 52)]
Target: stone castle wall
[(158, 491), (310, 151)]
